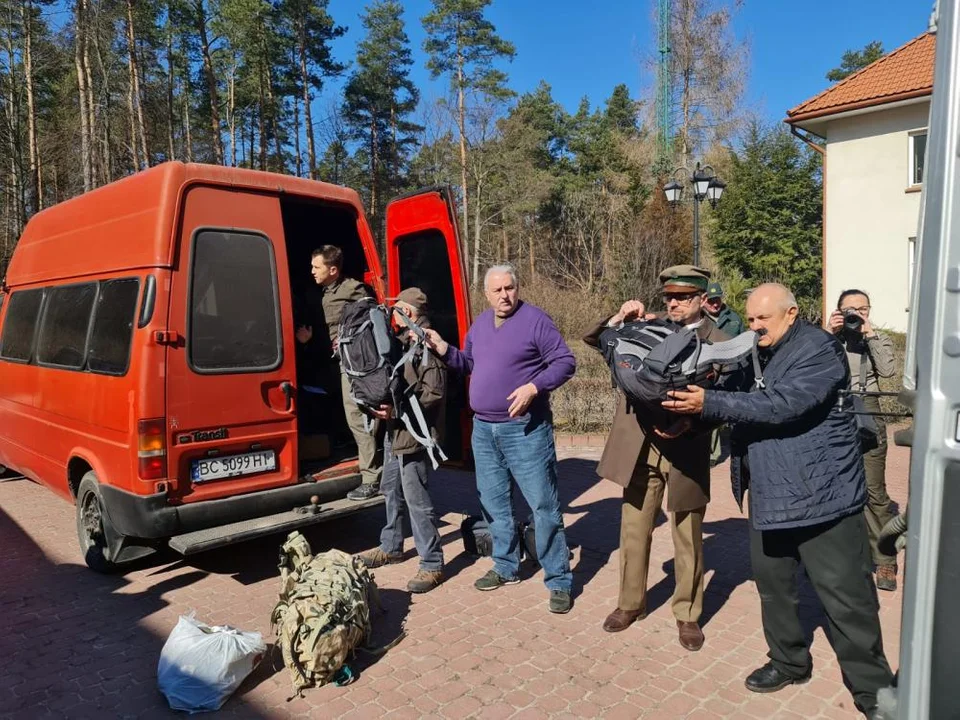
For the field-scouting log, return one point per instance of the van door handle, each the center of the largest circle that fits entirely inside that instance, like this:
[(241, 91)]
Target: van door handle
[(287, 388)]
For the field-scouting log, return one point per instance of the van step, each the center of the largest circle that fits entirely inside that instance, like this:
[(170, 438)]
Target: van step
[(202, 540)]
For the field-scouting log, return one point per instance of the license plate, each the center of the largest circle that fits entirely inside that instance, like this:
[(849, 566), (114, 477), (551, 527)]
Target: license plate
[(233, 466)]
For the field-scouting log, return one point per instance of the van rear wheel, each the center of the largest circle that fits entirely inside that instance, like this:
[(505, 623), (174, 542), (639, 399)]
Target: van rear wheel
[(93, 526)]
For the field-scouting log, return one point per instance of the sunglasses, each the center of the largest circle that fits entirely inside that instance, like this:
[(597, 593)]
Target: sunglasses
[(679, 297)]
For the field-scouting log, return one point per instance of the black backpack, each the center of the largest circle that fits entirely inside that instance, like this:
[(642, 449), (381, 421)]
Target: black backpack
[(477, 540), (373, 358), (648, 358), (476, 536)]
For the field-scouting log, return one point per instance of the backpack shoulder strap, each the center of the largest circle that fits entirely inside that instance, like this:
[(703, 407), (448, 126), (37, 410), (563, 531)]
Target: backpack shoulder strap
[(421, 432), (733, 351), (863, 371)]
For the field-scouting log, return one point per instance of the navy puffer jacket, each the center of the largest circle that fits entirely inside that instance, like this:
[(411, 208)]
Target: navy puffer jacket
[(796, 449)]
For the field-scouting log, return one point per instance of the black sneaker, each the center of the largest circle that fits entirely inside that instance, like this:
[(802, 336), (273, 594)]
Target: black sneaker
[(364, 492), (491, 581), (560, 601)]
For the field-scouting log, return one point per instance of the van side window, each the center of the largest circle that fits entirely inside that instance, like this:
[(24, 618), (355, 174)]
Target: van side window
[(113, 326), (20, 325), (66, 322), (234, 303)]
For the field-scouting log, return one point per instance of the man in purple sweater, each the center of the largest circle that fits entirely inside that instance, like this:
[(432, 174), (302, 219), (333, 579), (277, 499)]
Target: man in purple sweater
[(516, 357)]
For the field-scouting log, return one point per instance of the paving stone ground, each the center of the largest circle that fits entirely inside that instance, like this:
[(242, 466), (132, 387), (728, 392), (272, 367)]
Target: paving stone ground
[(76, 644)]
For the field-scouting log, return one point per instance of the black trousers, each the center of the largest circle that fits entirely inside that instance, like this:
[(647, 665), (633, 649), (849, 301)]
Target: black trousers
[(837, 559)]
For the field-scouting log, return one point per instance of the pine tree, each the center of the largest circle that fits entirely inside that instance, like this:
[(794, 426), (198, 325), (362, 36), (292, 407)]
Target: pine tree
[(202, 19), (854, 60), (379, 98), (311, 29), (463, 44), (768, 227), (621, 113)]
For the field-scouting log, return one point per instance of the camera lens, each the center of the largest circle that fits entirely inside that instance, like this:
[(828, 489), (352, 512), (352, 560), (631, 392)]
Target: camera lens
[(852, 321)]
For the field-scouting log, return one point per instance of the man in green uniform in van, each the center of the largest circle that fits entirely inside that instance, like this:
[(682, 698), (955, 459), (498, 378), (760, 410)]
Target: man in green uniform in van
[(338, 290)]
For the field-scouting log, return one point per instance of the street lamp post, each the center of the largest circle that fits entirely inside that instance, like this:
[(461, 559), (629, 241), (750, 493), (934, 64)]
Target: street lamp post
[(706, 185)]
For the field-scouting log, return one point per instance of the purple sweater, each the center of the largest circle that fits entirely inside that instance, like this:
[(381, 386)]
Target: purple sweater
[(526, 348)]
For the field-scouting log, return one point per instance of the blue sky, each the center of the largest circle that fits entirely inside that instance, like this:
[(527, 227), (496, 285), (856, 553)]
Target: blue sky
[(586, 48)]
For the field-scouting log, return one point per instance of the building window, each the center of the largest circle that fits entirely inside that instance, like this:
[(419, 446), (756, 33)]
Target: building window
[(918, 150)]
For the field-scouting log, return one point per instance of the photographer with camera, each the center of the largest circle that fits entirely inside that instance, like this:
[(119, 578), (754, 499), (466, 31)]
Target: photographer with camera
[(870, 355)]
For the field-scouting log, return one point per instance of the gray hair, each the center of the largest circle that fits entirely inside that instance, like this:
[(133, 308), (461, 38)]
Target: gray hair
[(504, 269)]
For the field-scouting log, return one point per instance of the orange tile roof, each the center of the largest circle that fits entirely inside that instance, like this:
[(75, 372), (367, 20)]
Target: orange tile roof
[(905, 73)]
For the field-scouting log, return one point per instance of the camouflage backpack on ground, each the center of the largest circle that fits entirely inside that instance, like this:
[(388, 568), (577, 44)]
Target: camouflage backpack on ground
[(323, 613)]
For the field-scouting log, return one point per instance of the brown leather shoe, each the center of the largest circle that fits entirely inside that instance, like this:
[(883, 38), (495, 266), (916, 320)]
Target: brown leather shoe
[(620, 620), (887, 577), (691, 636)]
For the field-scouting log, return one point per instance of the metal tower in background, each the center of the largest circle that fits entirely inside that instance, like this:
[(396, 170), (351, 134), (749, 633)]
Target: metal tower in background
[(664, 88)]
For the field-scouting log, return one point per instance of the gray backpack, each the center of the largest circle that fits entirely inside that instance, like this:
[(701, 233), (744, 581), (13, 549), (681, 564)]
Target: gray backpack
[(648, 358), (373, 359)]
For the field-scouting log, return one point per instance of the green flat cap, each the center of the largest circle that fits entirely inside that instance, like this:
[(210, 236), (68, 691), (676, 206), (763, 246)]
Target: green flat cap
[(415, 297), (714, 290), (685, 277)]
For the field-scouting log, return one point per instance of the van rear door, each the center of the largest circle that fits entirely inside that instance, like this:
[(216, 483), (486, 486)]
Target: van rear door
[(231, 403), (423, 250)]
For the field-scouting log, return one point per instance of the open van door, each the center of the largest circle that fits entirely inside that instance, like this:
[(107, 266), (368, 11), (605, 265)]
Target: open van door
[(930, 633), (423, 250)]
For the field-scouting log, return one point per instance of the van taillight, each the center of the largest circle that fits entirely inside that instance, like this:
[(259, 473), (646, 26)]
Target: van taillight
[(152, 449)]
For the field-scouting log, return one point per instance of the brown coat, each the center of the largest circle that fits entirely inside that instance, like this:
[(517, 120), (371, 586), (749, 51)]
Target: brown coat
[(429, 382), (685, 460)]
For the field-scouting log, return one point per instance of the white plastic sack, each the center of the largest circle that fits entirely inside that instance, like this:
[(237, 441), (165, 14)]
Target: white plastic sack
[(201, 666)]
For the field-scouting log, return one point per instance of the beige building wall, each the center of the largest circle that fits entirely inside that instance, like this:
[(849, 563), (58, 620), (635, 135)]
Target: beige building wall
[(872, 210)]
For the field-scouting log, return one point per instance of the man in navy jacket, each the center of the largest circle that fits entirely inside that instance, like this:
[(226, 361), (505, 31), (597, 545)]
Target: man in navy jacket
[(798, 454)]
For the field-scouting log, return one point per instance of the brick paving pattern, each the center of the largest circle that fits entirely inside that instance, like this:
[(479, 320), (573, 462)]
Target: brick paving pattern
[(76, 644)]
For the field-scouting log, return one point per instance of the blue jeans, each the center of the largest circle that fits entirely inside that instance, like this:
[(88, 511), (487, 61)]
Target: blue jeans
[(404, 488), (522, 451)]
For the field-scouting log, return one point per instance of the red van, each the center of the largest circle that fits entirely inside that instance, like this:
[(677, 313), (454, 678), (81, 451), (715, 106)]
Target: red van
[(149, 370)]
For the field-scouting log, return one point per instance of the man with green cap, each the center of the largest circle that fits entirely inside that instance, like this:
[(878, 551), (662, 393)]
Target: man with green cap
[(721, 313), (646, 460)]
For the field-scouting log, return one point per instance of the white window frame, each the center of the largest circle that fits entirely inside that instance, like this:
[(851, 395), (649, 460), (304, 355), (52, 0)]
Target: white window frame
[(910, 156)]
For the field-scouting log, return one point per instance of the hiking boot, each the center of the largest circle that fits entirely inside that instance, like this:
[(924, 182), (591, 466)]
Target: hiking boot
[(364, 492), (887, 577), (425, 581), (491, 581), (560, 602), (378, 558)]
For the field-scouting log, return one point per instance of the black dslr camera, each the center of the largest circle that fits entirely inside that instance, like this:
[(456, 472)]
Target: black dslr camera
[(852, 321)]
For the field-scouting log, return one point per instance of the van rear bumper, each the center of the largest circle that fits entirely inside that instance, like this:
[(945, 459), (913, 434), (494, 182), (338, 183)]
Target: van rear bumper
[(151, 517)]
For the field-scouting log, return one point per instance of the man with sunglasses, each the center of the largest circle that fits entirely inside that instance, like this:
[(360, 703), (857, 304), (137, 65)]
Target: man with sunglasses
[(646, 460)]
